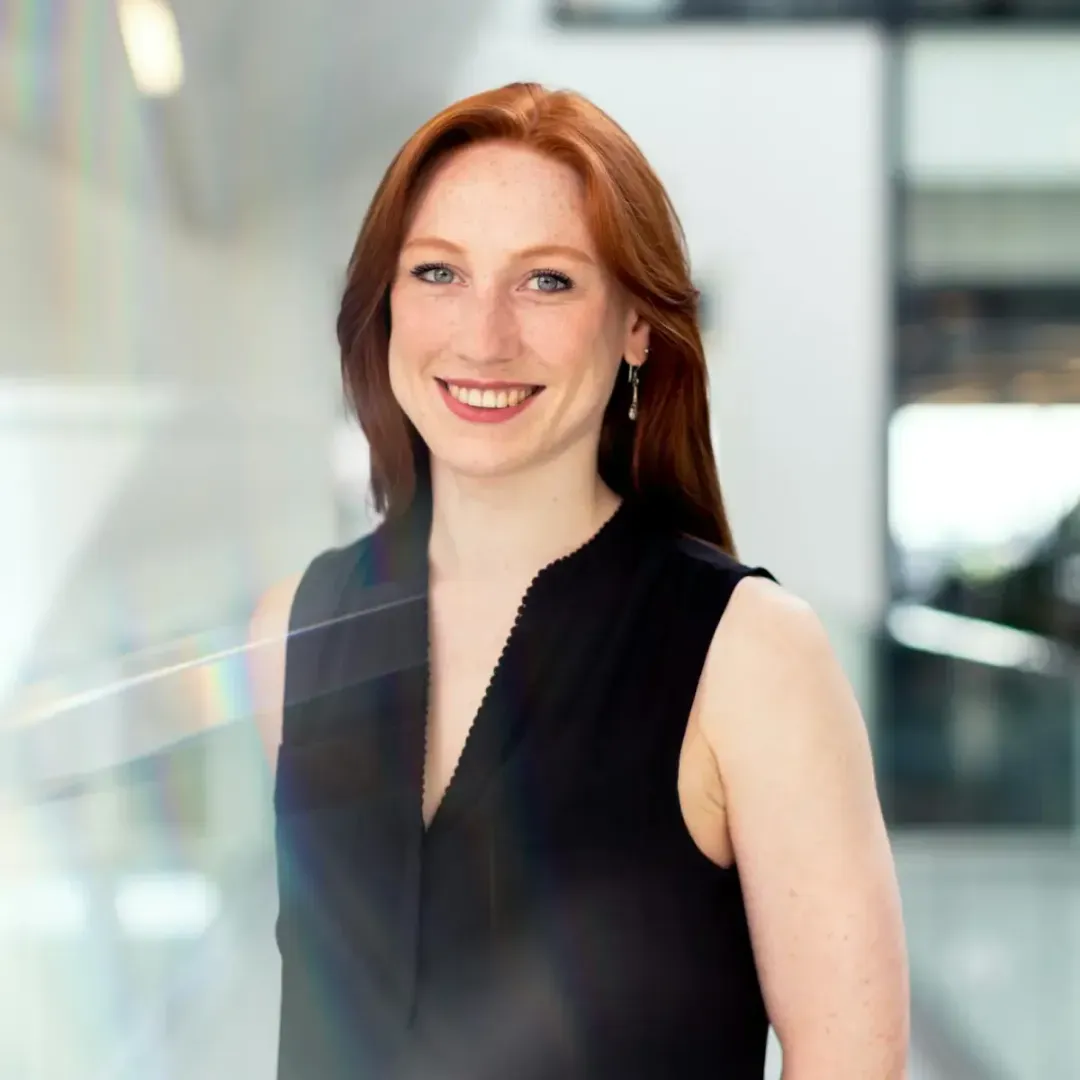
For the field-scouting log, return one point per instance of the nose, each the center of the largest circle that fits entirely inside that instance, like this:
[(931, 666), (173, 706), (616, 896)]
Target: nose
[(488, 331)]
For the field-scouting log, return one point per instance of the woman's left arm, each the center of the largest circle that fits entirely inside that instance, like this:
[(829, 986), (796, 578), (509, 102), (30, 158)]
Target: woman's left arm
[(814, 860)]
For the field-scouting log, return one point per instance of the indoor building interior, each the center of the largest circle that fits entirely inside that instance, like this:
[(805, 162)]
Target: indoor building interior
[(882, 205)]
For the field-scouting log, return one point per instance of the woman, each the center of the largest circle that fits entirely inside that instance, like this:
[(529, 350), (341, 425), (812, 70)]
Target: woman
[(541, 811)]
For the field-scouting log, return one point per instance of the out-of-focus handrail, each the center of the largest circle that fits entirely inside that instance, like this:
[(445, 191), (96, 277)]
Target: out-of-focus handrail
[(60, 735), (978, 641), (159, 698), (183, 689)]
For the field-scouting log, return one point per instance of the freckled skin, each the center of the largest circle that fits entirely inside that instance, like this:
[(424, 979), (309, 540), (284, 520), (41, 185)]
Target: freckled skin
[(494, 321)]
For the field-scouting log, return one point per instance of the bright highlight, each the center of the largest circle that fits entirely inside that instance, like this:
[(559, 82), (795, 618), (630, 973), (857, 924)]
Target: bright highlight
[(152, 43)]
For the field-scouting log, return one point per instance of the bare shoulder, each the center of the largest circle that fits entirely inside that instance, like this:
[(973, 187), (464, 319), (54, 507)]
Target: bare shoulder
[(268, 632), (769, 642), (775, 699), (794, 760)]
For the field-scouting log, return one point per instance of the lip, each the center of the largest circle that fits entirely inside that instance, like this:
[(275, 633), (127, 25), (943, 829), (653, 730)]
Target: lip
[(477, 414)]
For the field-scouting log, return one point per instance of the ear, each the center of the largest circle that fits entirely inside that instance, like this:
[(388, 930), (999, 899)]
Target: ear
[(636, 346)]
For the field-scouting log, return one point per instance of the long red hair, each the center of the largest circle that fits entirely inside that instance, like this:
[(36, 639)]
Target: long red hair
[(664, 459)]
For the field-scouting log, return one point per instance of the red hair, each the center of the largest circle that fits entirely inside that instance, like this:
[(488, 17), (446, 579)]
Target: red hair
[(664, 459)]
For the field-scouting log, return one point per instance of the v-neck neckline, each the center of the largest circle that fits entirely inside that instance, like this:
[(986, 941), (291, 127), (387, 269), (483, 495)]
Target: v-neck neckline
[(479, 729)]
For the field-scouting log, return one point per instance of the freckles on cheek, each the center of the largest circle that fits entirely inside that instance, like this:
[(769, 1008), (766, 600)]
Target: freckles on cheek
[(415, 333), (563, 339), (424, 323)]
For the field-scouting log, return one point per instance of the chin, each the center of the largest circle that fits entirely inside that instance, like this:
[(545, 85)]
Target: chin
[(483, 454), (476, 464)]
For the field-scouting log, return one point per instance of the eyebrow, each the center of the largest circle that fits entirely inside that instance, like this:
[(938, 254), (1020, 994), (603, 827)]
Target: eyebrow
[(525, 253)]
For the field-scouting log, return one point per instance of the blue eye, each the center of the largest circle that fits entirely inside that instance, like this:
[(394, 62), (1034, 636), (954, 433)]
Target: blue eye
[(551, 281), (433, 273)]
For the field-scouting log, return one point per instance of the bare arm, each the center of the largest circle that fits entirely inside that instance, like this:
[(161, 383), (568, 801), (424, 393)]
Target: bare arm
[(806, 824), (267, 636)]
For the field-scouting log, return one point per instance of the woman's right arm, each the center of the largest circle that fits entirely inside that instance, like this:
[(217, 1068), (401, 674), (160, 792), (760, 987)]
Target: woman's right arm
[(267, 637)]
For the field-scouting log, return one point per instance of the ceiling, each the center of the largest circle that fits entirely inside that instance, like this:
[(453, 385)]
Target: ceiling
[(280, 98)]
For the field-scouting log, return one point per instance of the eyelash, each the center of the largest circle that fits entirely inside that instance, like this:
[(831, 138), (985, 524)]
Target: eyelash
[(558, 275), (426, 268)]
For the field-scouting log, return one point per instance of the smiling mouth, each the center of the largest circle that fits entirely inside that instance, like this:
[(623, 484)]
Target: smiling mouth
[(505, 396)]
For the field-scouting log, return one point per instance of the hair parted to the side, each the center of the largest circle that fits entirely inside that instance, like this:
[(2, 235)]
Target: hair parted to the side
[(664, 459)]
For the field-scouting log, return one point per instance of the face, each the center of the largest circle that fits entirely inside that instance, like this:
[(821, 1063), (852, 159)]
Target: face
[(506, 330)]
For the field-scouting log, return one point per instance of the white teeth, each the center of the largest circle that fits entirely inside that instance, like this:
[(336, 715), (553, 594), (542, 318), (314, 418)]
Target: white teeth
[(489, 399)]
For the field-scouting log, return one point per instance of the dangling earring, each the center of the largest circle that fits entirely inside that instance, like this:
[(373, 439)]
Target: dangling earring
[(634, 376)]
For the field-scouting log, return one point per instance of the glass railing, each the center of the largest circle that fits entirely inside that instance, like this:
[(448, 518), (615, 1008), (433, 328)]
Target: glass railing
[(978, 726), (136, 890), (978, 753), (138, 898)]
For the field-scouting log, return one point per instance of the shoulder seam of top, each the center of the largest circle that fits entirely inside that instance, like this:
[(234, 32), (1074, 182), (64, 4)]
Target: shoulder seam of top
[(323, 583), (703, 552), (700, 553)]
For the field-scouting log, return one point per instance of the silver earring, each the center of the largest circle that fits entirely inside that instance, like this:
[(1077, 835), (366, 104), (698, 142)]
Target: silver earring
[(634, 376)]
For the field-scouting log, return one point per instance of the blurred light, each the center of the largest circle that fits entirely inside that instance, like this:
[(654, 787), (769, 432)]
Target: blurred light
[(621, 7), (152, 43), (981, 476), (166, 906), (929, 630), (53, 403), (351, 457), (44, 908)]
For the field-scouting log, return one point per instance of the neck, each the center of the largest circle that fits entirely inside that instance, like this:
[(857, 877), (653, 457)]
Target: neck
[(512, 526)]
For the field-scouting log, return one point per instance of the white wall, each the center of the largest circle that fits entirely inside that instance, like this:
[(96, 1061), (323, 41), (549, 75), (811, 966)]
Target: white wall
[(770, 144)]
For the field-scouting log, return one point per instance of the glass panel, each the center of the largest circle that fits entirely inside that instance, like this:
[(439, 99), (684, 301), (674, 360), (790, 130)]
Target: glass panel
[(984, 489), (978, 705), (138, 897)]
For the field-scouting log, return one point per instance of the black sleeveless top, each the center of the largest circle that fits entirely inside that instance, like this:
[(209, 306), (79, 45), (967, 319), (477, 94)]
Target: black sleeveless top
[(555, 920)]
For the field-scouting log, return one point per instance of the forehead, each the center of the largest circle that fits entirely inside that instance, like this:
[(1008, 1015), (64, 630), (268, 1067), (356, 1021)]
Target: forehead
[(505, 193)]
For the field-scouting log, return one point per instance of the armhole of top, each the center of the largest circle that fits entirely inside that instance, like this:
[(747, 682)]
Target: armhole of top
[(317, 601), (713, 576), (318, 595), (758, 571)]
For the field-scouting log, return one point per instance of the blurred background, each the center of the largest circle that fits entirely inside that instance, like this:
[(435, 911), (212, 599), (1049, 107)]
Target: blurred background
[(882, 199)]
